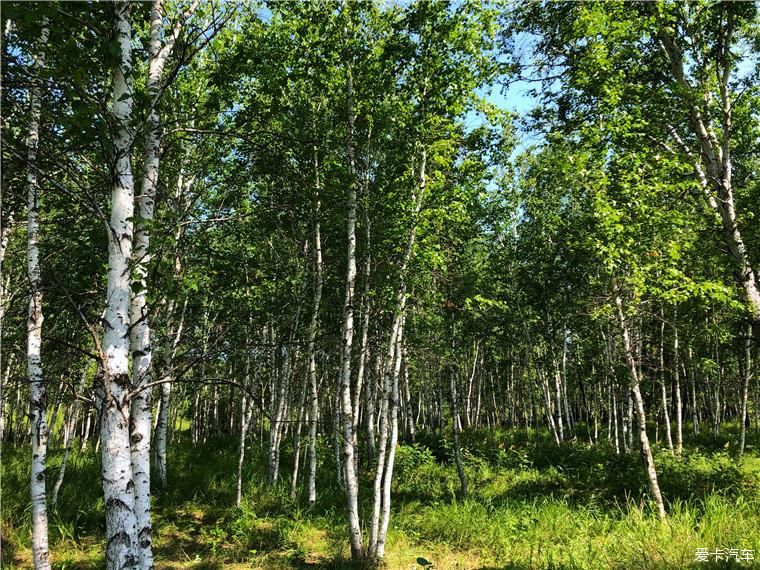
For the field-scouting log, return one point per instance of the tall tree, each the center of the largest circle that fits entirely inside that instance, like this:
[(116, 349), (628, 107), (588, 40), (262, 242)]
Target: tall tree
[(118, 479), (37, 390)]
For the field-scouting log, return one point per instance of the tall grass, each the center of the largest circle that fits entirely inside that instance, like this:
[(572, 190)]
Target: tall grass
[(532, 505)]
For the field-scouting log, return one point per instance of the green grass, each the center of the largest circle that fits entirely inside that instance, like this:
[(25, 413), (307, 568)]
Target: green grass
[(531, 505)]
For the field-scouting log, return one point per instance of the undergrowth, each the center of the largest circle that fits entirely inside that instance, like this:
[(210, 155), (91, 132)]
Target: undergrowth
[(532, 504)]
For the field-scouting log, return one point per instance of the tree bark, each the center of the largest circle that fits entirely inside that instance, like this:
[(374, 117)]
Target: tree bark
[(118, 482), (68, 437), (646, 452), (351, 480), (385, 513), (745, 385), (410, 424), (140, 344), (171, 342), (37, 389), (162, 417), (365, 307), (245, 423), (311, 484), (666, 415), (677, 381), (390, 402), (455, 425), (713, 167)]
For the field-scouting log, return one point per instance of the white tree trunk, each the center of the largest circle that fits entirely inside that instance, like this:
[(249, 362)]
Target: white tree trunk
[(455, 423), (162, 420), (666, 414), (4, 375), (140, 329), (712, 163), (140, 344), (745, 385), (383, 434), (646, 452), (247, 412), (118, 483), (410, 423), (245, 423), (677, 382), (390, 401), (558, 399), (351, 481), (68, 437), (6, 224), (363, 347), (171, 342), (37, 392), (385, 515), (311, 484)]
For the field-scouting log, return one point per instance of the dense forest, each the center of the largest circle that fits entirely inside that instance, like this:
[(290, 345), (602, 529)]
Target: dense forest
[(356, 284)]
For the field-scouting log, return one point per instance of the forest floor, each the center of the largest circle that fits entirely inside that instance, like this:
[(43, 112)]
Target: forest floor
[(532, 504)]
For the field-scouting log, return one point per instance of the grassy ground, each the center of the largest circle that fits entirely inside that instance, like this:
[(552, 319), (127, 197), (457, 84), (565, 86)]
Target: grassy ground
[(532, 505)]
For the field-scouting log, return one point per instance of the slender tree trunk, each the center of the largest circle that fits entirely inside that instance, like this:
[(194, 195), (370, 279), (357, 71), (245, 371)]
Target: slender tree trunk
[(6, 226), (745, 385), (646, 452), (68, 438), (385, 514), (666, 415), (118, 482), (171, 342), (617, 419), (278, 422), (468, 400), (455, 428), (86, 432), (390, 402), (628, 424), (547, 402), (383, 434), (410, 427), (311, 484), (470, 381), (37, 390), (677, 381), (53, 420), (364, 346), (558, 399), (140, 344), (158, 53), (370, 395), (301, 412), (246, 412), (688, 365), (346, 404), (4, 375), (337, 443), (712, 164), (162, 418), (568, 412)]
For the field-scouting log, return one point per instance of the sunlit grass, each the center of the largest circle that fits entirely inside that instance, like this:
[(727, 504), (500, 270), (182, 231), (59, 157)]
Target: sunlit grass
[(530, 506)]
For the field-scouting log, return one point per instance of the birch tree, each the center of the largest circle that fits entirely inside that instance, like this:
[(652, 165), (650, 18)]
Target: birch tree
[(311, 342), (118, 480), (346, 405), (37, 389), (641, 418), (140, 334), (708, 94)]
